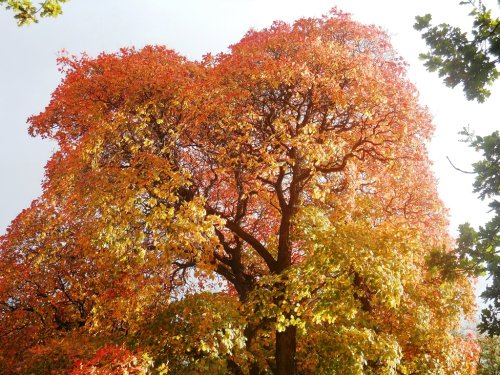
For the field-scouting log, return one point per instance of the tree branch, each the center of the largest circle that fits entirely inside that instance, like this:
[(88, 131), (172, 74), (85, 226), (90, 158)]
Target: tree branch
[(252, 241), (458, 169)]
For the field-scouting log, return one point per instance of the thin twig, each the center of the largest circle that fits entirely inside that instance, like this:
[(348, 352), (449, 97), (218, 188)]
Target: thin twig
[(458, 169)]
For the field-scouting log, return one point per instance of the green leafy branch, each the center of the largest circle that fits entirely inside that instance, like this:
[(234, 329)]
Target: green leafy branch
[(26, 12), (460, 57)]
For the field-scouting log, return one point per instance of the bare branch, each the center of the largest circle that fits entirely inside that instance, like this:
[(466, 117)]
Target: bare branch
[(458, 169)]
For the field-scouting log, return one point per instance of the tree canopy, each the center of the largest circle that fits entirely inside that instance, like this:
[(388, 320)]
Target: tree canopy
[(266, 210)]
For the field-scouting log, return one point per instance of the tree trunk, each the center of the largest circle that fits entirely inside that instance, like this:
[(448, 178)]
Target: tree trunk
[(286, 345), (286, 342)]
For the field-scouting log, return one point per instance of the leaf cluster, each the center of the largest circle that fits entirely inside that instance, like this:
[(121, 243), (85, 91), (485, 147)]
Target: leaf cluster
[(26, 11), (489, 360), (461, 57)]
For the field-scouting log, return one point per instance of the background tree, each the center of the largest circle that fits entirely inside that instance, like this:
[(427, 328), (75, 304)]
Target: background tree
[(266, 210), (466, 57), (480, 249), (471, 58), (26, 11)]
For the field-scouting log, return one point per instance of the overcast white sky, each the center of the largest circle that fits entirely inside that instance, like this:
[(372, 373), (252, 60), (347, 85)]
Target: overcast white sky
[(28, 73)]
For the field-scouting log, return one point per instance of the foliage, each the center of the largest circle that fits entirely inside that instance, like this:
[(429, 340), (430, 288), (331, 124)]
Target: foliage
[(478, 250), (489, 361), (26, 12), (469, 58), (204, 330), (269, 209), (111, 360), (481, 247)]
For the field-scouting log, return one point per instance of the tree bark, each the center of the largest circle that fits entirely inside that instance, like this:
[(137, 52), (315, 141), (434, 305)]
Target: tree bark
[(286, 341), (286, 347)]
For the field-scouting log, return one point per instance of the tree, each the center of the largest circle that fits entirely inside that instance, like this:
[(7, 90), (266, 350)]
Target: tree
[(472, 59), (269, 209), (26, 12), (480, 249), (469, 58)]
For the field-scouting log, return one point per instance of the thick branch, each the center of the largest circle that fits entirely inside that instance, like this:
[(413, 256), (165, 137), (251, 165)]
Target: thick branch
[(252, 241)]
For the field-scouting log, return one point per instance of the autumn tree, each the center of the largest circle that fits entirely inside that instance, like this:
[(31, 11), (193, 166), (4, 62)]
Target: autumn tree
[(266, 210)]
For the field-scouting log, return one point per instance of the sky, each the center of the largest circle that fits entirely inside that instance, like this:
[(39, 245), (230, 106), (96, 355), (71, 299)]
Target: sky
[(29, 74)]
